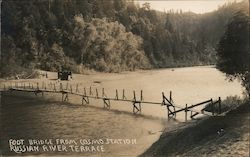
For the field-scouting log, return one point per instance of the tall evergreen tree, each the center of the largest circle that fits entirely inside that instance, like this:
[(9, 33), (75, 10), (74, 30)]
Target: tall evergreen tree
[(233, 49)]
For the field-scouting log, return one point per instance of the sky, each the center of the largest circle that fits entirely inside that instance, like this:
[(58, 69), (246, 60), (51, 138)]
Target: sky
[(196, 6)]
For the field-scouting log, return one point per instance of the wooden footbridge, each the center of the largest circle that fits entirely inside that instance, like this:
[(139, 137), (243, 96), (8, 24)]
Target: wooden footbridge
[(89, 93)]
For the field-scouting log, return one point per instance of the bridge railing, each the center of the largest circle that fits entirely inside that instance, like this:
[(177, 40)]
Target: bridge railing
[(137, 99)]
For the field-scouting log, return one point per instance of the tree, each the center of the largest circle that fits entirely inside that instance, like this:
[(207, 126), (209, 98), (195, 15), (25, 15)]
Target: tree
[(146, 6), (107, 46), (233, 50)]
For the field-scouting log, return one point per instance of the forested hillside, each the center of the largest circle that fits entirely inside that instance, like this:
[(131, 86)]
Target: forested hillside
[(106, 35)]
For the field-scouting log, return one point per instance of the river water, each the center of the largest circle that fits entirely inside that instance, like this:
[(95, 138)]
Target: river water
[(25, 116)]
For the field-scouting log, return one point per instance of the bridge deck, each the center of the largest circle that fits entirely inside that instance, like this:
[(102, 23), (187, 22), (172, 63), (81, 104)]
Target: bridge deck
[(135, 101)]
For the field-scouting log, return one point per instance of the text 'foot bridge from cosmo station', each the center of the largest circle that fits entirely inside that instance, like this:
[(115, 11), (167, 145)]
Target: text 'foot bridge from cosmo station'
[(90, 93)]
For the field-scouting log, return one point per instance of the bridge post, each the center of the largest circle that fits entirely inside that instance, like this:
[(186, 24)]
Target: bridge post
[(168, 104), (116, 95), (136, 105), (212, 106), (186, 110), (103, 93), (85, 93), (90, 91), (106, 101), (164, 103), (96, 91), (71, 89), (65, 96), (219, 105), (85, 98), (77, 90), (55, 87), (123, 95), (170, 96), (141, 95)]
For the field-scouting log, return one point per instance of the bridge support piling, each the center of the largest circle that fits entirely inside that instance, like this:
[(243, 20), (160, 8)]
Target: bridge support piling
[(106, 103), (186, 110), (71, 90), (90, 91), (169, 105), (116, 94), (136, 105), (123, 95), (65, 96), (77, 90), (85, 100)]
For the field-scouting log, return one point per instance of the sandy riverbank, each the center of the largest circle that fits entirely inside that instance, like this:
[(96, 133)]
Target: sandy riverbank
[(226, 136)]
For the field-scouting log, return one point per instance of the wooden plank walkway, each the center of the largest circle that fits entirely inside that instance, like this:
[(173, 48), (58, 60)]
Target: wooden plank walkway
[(172, 108)]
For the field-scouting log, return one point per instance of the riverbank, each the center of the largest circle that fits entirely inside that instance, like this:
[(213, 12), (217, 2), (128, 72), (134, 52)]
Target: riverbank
[(215, 136)]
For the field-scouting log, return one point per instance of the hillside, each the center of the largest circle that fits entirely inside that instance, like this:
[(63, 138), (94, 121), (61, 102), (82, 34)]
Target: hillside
[(108, 36)]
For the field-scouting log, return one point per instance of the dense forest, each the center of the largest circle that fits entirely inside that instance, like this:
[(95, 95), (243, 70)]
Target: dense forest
[(106, 35)]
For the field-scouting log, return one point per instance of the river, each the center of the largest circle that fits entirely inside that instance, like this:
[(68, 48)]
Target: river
[(25, 116)]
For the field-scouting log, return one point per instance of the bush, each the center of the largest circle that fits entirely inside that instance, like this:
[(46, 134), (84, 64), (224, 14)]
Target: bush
[(228, 104)]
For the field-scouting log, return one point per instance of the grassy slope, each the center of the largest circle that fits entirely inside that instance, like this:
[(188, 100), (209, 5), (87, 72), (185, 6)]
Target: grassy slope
[(215, 136)]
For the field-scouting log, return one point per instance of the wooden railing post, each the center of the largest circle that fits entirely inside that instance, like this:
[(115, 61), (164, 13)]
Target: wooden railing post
[(141, 95), (219, 105), (61, 87), (213, 107), (136, 108), (96, 93), (134, 95), (123, 95), (186, 110), (90, 90), (116, 94), (65, 96), (170, 96), (103, 94), (84, 90), (85, 98), (164, 103), (71, 90), (77, 90)]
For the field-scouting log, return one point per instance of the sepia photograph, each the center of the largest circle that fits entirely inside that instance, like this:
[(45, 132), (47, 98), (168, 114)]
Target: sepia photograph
[(125, 78)]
